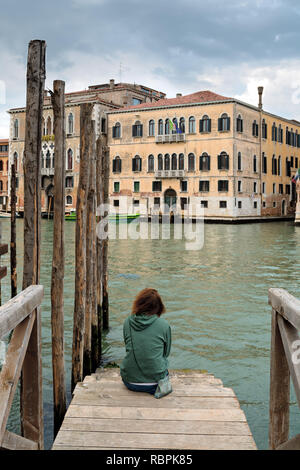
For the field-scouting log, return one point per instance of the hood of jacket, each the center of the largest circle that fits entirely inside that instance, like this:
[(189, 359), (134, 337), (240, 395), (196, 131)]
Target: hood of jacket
[(141, 322)]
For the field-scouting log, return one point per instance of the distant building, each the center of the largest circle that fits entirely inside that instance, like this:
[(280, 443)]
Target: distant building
[(236, 158), (4, 170), (105, 97)]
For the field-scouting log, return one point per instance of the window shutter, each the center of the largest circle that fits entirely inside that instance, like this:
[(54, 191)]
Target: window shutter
[(133, 164), (208, 162), (209, 125), (228, 124), (114, 132), (134, 130), (201, 125), (219, 162), (227, 162), (201, 164), (141, 130), (120, 165), (220, 124), (114, 166)]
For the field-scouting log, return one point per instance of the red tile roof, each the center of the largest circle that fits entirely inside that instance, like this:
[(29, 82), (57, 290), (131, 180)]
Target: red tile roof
[(198, 97)]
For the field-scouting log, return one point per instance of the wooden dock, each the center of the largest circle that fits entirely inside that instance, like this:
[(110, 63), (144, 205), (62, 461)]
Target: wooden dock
[(200, 413)]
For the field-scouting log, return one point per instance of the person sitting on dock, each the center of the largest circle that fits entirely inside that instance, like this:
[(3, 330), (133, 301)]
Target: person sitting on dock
[(147, 339)]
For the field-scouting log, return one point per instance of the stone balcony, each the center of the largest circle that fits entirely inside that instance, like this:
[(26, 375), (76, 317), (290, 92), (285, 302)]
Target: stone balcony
[(169, 138), (170, 174), (47, 171)]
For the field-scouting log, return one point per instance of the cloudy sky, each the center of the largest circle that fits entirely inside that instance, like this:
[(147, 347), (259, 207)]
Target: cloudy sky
[(229, 47)]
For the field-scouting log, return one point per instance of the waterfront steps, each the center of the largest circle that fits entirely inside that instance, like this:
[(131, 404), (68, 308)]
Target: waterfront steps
[(200, 413)]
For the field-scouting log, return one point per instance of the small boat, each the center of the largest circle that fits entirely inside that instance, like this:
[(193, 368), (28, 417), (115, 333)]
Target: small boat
[(70, 215), (5, 215), (123, 217)]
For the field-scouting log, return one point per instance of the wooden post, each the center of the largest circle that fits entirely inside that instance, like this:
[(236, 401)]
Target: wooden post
[(80, 245), (97, 323), (13, 246), (90, 257), (31, 383), (58, 262), (279, 389), (105, 182)]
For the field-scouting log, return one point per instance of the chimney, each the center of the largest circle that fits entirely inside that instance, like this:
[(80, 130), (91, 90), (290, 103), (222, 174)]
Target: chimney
[(178, 95), (111, 84), (260, 92)]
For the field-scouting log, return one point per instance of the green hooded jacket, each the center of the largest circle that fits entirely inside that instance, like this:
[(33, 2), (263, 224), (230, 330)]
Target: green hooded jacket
[(151, 338)]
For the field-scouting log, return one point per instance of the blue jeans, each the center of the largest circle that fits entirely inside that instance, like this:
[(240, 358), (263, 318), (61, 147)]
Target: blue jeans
[(141, 388)]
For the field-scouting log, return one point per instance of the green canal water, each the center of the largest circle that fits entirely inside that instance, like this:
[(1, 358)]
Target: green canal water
[(216, 300)]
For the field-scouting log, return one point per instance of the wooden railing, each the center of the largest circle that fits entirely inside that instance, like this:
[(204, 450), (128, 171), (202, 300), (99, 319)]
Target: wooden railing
[(20, 314), (285, 364)]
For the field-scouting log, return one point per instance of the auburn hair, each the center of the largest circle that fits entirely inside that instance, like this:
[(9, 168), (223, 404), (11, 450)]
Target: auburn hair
[(148, 302)]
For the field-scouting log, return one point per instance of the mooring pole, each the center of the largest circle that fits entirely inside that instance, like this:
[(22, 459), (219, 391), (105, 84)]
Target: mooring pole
[(13, 246), (90, 303), (97, 325), (31, 381), (105, 183), (80, 245), (58, 261)]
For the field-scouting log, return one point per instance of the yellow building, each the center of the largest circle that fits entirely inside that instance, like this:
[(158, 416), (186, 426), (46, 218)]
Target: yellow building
[(235, 158)]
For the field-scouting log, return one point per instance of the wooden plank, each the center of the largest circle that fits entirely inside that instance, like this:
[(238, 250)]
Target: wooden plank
[(102, 440), (12, 441), (146, 400), (3, 248), (279, 389), (286, 304), (3, 271), (290, 338), (80, 245), (130, 412), (11, 370), (58, 260), (119, 389), (152, 426), (18, 308)]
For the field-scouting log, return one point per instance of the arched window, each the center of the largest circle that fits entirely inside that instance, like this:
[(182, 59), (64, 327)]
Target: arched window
[(181, 161), (239, 123), (174, 162), (204, 162), (264, 129), (224, 123), (223, 161), (175, 126), (151, 127), (255, 129), (70, 123), (137, 163), (205, 124), (167, 126), (16, 128), (274, 132), (137, 129), (182, 124), (274, 165), (151, 164), (167, 161), (70, 159), (239, 161), (69, 200), (48, 159), (117, 165), (160, 162), (160, 127), (16, 161), (69, 182), (1, 165), (191, 162), (279, 165), (287, 167), (192, 125), (254, 164), (49, 126), (116, 131)]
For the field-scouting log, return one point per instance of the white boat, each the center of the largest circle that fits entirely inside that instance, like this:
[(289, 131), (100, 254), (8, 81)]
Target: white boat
[(4, 215)]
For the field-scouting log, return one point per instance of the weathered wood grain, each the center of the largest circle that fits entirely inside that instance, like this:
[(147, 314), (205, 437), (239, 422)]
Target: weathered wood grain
[(12, 441), (285, 304), (58, 259)]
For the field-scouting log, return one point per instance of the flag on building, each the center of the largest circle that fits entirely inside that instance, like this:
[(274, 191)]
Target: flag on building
[(296, 177), (171, 124)]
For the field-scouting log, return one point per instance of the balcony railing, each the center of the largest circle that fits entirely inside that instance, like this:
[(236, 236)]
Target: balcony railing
[(169, 138), (170, 174), (47, 171)]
